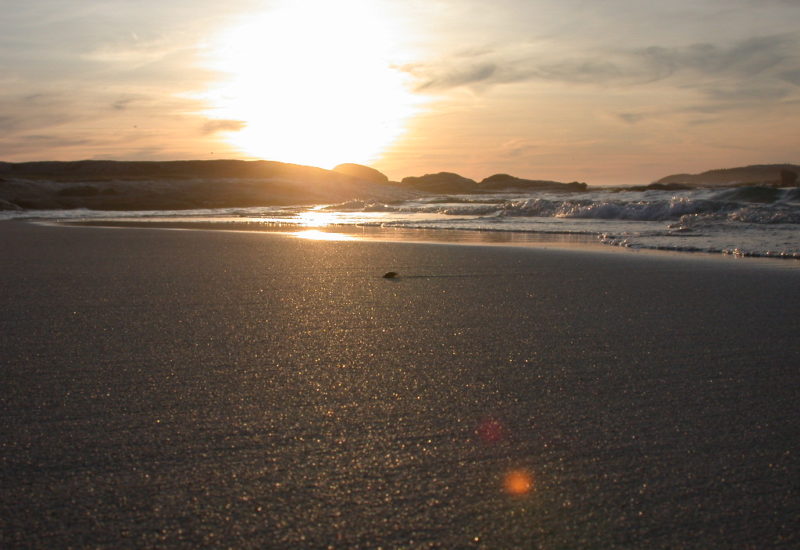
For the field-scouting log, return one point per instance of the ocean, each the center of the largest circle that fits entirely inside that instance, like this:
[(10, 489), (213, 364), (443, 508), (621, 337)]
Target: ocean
[(740, 221)]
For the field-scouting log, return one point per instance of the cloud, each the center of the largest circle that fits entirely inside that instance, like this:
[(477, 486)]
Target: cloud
[(214, 126), (516, 148), (54, 141), (747, 93), (747, 58), (122, 104), (461, 76), (8, 123), (770, 57), (34, 111), (792, 77), (631, 118)]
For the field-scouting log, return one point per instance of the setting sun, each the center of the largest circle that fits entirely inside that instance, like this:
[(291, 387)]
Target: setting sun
[(312, 83)]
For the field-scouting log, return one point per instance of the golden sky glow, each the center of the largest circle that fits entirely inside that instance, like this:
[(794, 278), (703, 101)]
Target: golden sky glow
[(312, 90), (612, 92)]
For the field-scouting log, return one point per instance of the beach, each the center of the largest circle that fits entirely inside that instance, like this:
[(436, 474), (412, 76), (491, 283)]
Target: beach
[(202, 388)]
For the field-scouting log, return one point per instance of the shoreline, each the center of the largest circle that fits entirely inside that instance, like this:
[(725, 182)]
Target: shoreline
[(463, 237)]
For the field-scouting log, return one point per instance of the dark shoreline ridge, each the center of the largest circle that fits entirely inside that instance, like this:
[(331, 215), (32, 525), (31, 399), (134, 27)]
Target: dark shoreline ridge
[(192, 184)]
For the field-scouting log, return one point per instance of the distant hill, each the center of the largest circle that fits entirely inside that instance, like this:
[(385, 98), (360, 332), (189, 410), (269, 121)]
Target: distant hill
[(448, 182), (193, 184), (504, 182), (362, 172), (175, 185), (107, 170), (784, 175), (442, 182)]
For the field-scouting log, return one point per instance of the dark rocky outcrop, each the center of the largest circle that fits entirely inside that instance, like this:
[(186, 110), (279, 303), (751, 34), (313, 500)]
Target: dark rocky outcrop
[(788, 178), (175, 185), (443, 182), (779, 175), (361, 172), (505, 182), (659, 187), (108, 170)]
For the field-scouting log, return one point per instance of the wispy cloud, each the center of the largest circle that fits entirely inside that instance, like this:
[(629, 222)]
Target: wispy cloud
[(632, 118), (214, 126), (772, 57)]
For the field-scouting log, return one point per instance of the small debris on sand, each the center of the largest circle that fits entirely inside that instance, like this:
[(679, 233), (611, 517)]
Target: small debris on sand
[(390, 275)]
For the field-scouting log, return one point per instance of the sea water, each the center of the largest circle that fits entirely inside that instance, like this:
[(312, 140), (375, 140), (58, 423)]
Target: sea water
[(742, 221)]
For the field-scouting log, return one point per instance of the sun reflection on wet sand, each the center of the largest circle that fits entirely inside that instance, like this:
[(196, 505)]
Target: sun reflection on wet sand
[(317, 235)]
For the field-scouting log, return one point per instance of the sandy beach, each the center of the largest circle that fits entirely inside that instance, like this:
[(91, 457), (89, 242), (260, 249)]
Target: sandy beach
[(249, 390)]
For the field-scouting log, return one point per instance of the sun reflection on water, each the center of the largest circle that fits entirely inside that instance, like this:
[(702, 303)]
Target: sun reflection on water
[(317, 218)]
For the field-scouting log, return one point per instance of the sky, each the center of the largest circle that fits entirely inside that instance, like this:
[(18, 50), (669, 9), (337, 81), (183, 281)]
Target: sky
[(610, 92)]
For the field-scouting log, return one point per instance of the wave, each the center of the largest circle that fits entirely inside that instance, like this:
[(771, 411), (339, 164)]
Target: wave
[(755, 205), (758, 194), (676, 209)]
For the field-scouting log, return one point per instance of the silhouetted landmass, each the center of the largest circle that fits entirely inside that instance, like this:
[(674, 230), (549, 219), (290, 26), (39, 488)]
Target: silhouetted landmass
[(193, 184), (107, 170), (658, 187), (504, 182), (177, 185), (442, 182), (362, 172), (448, 182), (780, 175)]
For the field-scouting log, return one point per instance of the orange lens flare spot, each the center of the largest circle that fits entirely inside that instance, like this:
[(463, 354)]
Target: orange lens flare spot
[(518, 482)]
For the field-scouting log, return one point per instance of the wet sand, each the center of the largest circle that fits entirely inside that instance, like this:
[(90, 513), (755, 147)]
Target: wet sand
[(250, 390)]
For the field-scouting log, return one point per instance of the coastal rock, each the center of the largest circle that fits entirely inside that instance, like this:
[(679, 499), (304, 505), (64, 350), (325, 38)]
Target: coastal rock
[(759, 174), (361, 172), (180, 185), (79, 191), (657, 187), (84, 171), (788, 178), (443, 182), (505, 182)]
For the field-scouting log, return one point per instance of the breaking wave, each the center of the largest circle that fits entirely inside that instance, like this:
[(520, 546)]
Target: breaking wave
[(748, 205)]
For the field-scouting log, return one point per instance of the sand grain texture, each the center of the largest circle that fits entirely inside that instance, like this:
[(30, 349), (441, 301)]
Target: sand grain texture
[(200, 388)]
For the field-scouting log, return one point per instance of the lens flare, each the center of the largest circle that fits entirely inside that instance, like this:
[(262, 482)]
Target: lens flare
[(518, 482), (491, 431)]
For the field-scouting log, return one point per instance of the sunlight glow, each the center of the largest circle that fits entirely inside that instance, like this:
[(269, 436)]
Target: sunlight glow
[(317, 235), (316, 217), (314, 82)]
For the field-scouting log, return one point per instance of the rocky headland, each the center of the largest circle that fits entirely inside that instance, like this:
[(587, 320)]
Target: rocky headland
[(448, 182), (195, 184), (774, 175), (180, 185)]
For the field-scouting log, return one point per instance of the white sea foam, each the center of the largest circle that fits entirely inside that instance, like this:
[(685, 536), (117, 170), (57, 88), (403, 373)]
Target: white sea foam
[(746, 221)]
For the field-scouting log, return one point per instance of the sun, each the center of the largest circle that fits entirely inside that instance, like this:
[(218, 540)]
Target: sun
[(312, 82)]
